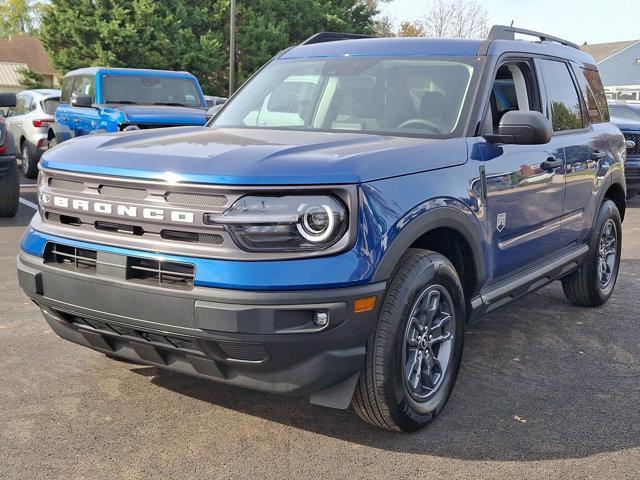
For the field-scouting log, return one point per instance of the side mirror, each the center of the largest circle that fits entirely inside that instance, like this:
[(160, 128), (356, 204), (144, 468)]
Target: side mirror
[(81, 100), (522, 128), (212, 112), (8, 100)]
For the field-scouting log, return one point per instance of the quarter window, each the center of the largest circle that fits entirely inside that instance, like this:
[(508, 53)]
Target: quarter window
[(598, 96), (564, 102)]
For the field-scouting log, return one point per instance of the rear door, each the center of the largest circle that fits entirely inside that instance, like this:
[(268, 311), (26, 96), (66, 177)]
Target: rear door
[(584, 147), (85, 119), (524, 200)]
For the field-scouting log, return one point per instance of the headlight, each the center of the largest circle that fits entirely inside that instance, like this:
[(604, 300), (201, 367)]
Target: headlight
[(285, 223)]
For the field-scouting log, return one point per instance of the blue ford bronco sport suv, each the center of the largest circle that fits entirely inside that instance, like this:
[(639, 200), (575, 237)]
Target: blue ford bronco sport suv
[(341, 221), (98, 99)]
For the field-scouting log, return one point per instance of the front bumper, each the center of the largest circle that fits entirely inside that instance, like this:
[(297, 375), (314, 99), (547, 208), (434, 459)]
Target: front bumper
[(260, 340), (7, 163)]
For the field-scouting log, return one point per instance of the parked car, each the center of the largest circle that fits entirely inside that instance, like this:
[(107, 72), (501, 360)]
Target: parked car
[(625, 111), (337, 241), (98, 99), (631, 131), (28, 123), (212, 101), (9, 182)]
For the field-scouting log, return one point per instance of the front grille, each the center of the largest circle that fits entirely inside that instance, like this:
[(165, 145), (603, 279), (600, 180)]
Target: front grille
[(121, 192), (162, 272), (196, 200), (71, 257), (135, 269), (69, 185), (113, 336), (247, 352), (634, 137)]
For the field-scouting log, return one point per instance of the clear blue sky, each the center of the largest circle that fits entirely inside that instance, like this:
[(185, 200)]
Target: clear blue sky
[(593, 21)]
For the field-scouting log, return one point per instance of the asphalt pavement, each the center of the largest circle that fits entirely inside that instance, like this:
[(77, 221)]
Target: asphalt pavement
[(546, 390)]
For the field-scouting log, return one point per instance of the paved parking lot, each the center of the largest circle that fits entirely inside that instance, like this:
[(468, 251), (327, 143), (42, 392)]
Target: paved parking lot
[(546, 390)]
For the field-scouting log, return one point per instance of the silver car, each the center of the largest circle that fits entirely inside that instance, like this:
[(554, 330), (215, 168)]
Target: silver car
[(27, 124)]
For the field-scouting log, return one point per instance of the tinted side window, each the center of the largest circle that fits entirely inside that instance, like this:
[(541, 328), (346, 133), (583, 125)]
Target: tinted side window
[(85, 85), (67, 82), (564, 102), (597, 92)]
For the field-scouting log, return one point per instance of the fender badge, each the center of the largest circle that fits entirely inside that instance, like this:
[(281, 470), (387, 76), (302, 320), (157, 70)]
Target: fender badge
[(501, 222)]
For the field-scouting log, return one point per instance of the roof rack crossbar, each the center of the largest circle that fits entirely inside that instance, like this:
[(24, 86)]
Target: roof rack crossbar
[(323, 37), (504, 32)]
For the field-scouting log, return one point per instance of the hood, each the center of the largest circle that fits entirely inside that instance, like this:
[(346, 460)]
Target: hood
[(160, 114), (625, 124), (253, 156)]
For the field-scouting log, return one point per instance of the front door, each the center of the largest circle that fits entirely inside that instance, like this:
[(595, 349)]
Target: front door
[(524, 183)]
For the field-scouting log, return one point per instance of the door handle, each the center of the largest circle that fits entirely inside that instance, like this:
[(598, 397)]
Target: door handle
[(598, 154), (76, 120), (551, 163)]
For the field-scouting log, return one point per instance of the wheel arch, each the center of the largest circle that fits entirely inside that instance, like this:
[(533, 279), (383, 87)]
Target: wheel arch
[(449, 231), (616, 193)]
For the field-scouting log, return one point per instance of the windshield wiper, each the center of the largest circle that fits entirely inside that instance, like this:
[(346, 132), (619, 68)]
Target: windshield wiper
[(124, 102), (171, 104)]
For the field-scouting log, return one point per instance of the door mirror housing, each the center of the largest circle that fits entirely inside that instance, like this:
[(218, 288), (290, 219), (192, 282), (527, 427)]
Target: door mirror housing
[(522, 128), (8, 100), (81, 100)]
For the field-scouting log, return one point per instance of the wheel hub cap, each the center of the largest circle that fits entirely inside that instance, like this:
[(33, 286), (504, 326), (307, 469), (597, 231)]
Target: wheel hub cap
[(428, 342), (607, 253)]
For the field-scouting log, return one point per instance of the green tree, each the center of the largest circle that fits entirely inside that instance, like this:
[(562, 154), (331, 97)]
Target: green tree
[(19, 17), (30, 79), (190, 35)]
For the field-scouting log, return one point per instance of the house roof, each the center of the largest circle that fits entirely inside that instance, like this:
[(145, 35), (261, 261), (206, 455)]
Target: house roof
[(10, 73), (602, 51), (26, 49)]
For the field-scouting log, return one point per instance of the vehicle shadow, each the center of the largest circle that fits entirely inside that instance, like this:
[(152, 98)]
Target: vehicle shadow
[(541, 380)]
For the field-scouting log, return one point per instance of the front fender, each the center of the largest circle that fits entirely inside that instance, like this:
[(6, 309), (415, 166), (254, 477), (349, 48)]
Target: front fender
[(430, 215)]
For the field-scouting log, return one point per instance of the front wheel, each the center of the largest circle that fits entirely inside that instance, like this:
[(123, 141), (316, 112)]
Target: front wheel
[(593, 283), (9, 193), (414, 354)]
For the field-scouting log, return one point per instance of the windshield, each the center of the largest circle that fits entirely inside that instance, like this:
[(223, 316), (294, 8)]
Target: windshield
[(147, 90), (395, 96)]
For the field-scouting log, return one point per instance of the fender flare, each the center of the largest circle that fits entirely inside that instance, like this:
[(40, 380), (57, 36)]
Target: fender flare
[(60, 132), (438, 217)]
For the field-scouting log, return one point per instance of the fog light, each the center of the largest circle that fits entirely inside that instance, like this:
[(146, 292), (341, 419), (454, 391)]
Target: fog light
[(321, 319)]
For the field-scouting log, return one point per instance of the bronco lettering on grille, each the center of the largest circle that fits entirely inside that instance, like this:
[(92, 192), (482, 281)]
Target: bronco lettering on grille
[(117, 209)]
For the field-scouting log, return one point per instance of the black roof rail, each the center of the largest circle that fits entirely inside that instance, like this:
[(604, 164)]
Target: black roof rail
[(323, 37), (504, 32)]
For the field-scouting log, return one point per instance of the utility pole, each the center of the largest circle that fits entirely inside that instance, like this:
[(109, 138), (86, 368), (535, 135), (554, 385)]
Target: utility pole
[(232, 47)]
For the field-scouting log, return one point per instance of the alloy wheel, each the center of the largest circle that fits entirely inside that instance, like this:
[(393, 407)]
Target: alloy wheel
[(428, 342), (607, 253)]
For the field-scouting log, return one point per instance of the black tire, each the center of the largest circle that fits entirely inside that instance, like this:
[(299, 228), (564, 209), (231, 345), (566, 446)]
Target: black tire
[(584, 287), (29, 162), (383, 395), (9, 193)]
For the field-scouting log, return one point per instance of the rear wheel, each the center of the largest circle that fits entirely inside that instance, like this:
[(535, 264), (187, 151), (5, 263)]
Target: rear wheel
[(593, 283), (414, 354), (29, 164), (9, 193)]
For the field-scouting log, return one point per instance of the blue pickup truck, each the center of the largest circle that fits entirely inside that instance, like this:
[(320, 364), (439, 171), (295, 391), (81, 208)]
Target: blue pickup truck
[(98, 99), (342, 220)]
